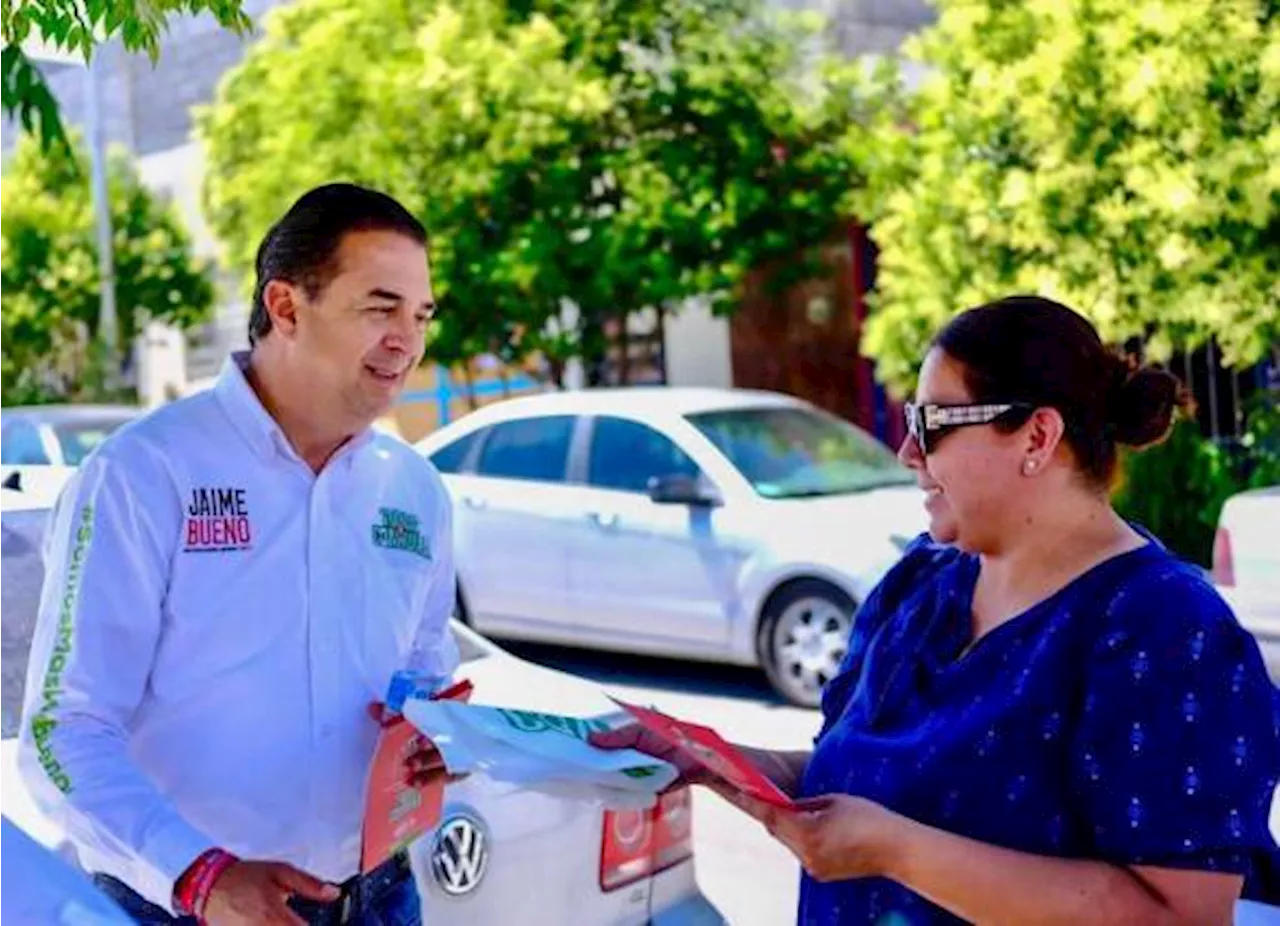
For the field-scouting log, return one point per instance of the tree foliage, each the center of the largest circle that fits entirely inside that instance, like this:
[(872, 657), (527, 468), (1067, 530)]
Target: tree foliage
[(77, 27), (50, 276), (1121, 156), (615, 154)]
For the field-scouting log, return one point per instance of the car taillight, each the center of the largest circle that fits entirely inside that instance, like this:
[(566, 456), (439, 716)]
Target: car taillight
[(1224, 570), (641, 843)]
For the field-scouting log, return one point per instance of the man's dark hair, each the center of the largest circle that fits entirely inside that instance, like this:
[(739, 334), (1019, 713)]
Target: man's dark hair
[(302, 247), (1032, 350)]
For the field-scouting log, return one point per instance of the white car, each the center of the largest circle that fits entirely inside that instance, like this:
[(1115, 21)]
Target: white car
[(726, 525), (22, 523), (41, 445), (500, 855), (1246, 566)]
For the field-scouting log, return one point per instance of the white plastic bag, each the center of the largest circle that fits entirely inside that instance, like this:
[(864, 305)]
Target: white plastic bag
[(542, 752)]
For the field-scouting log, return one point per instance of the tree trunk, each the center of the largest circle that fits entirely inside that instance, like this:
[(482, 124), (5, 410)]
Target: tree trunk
[(469, 379), (624, 350), (594, 350)]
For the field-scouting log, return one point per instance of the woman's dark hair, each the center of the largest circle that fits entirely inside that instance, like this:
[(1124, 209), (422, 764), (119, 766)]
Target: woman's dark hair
[(1039, 352), (301, 247)]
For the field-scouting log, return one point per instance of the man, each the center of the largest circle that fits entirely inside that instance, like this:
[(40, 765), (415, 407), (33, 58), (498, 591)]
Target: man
[(232, 580)]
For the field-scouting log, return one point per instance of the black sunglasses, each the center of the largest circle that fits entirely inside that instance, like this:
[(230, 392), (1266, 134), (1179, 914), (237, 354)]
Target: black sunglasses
[(928, 424)]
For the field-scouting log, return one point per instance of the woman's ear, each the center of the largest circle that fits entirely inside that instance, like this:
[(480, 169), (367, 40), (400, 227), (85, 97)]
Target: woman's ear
[(1044, 432)]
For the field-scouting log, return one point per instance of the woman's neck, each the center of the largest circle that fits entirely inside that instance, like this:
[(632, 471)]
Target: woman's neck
[(1049, 550)]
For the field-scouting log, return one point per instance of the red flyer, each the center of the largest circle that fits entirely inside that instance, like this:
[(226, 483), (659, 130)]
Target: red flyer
[(396, 812), (710, 750)]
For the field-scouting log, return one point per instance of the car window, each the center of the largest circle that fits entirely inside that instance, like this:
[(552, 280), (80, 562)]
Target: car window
[(536, 449), (797, 452), (22, 445), (625, 455), (450, 457), (78, 439)]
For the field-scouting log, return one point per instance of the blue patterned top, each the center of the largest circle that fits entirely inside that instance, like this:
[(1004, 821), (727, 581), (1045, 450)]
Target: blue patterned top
[(1126, 718)]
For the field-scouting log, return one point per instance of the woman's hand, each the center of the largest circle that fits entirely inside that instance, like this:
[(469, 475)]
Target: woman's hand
[(835, 837), (634, 736)]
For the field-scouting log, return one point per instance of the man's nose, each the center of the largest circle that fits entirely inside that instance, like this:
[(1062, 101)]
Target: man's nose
[(403, 332)]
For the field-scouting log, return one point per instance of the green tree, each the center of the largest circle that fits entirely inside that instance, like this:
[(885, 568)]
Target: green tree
[(49, 270), (615, 155), (77, 27), (1123, 157)]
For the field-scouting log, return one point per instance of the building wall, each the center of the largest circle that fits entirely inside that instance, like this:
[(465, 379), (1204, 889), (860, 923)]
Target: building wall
[(697, 347)]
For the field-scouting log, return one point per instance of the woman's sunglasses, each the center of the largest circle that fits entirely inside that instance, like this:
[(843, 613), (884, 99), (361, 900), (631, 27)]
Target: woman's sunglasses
[(928, 424)]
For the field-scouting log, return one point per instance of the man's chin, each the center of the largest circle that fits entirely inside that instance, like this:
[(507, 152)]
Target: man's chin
[(372, 404)]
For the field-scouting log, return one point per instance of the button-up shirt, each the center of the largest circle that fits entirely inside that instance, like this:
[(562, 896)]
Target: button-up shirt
[(216, 619)]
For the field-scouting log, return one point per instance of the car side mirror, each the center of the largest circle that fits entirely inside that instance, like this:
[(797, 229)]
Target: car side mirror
[(693, 491)]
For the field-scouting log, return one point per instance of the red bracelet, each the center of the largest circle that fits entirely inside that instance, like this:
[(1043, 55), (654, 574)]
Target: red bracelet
[(191, 893)]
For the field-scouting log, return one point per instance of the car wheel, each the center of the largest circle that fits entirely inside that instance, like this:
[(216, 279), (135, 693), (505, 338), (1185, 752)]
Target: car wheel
[(803, 639)]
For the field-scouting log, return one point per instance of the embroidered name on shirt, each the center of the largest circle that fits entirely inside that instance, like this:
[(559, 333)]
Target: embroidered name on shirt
[(398, 530), (217, 521)]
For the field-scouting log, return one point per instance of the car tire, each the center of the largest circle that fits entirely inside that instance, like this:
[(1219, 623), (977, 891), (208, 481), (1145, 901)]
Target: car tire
[(804, 633)]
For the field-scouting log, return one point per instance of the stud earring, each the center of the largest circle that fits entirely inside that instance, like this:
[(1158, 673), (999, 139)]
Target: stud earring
[(1029, 467)]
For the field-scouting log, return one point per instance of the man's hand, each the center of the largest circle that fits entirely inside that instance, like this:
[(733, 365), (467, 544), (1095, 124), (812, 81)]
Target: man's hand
[(257, 893), (424, 765)]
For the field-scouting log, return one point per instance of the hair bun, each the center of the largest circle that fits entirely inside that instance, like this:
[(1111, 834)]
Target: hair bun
[(1142, 403)]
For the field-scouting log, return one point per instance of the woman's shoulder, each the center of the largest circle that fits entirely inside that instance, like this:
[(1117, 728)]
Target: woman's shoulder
[(1166, 602), (923, 560), (923, 565)]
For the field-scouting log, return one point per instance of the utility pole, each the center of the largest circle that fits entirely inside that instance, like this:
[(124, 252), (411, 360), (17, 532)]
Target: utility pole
[(108, 322)]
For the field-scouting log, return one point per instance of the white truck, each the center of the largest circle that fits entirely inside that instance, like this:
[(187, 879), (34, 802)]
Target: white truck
[(1246, 566)]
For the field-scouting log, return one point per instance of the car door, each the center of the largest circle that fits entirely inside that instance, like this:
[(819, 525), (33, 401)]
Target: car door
[(640, 570), (22, 527), (512, 507)]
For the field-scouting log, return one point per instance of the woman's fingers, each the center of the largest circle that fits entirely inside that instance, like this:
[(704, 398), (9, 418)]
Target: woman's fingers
[(620, 738)]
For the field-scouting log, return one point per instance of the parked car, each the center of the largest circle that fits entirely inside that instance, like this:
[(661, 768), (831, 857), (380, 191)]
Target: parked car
[(1246, 566), (1246, 549), (497, 846), (22, 524), (41, 445), (726, 525)]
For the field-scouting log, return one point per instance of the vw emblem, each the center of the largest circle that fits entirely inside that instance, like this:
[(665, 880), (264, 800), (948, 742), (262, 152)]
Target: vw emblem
[(459, 855)]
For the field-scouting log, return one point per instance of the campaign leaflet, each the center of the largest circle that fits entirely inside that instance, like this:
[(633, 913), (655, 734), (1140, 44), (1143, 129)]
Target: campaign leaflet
[(706, 747), (397, 812)]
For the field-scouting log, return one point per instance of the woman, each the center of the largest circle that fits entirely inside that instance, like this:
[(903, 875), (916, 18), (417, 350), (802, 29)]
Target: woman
[(1043, 716)]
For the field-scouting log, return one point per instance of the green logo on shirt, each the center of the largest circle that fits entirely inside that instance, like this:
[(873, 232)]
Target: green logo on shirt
[(399, 530), (43, 724)]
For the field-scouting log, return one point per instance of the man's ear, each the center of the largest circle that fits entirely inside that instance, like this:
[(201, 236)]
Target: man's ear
[(281, 298)]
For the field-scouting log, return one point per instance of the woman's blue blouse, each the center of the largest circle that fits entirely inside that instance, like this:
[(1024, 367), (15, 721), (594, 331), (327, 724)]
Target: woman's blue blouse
[(1127, 718)]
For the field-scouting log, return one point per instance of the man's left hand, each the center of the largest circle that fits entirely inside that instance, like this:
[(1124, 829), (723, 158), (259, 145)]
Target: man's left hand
[(836, 837), (423, 765)]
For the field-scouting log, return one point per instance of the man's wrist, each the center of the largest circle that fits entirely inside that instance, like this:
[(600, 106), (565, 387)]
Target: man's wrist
[(192, 889)]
